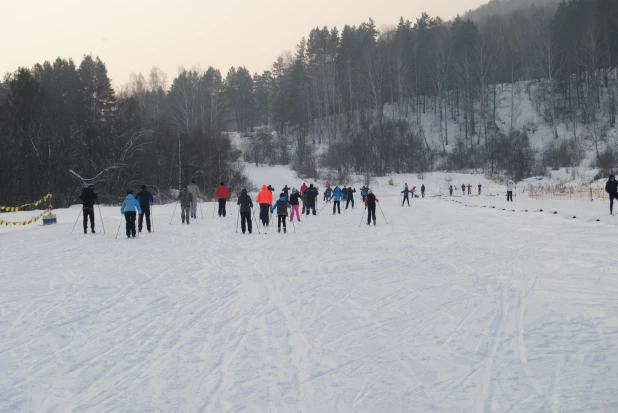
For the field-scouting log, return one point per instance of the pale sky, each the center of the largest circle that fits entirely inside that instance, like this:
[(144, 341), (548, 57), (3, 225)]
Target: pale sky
[(135, 35)]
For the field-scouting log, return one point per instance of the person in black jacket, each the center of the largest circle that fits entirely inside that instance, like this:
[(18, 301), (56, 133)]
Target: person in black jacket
[(295, 202), (246, 205), (88, 198), (611, 187), (350, 197), (145, 202), (286, 192), (370, 203), (311, 196)]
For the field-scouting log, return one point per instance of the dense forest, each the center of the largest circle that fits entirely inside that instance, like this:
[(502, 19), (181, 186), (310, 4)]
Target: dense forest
[(350, 101)]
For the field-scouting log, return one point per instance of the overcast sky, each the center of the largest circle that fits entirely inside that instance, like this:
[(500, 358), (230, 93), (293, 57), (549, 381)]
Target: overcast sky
[(134, 35)]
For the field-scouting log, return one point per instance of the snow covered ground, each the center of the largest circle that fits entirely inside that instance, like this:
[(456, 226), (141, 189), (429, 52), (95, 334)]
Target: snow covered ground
[(446, 309)]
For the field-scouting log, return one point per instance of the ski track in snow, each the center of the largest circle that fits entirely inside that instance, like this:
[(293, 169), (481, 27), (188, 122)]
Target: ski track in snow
[(447, 309)]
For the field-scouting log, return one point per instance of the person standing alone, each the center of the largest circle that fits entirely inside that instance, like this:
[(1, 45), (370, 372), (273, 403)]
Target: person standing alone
[(186, 198), (128, 209), (222, 194), (88, 198), (611, 187), (510, 187), (370, 203), (145, 202), (423, 190), (406, 194)]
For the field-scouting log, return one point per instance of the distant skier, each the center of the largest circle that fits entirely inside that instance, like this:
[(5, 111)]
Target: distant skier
[(286, 191), (463, 189), (88, 198), (128, 208), (245, 206), (413, 191), (423, 190), (222, 194), (328, 193), (196, 195), (337, 196), (264, 199), (145, 202), (351, 193), (450, 189), (186, 203), (479, 189), (406, 194), (345, 193), (282, 206), (611, 187), (370, 203), (510, 187), (303, 189), (469, 190), (363, 193), (295, 202), (311, 195)]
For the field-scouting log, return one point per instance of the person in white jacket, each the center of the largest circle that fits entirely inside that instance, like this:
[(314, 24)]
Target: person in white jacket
[(510, 187), (195, 192)]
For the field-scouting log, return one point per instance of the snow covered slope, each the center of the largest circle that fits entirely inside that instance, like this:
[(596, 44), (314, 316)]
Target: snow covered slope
[(445, 309)]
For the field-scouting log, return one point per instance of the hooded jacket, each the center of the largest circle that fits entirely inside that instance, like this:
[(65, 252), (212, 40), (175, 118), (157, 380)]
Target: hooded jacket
[(244, 201), (337, 194), (88, 197), (363, 191), (265, 196), (281, 206), (423, 188), (611, 187), (195, 191), (222, 192), (185, 197), (510, 186), (130, 204)]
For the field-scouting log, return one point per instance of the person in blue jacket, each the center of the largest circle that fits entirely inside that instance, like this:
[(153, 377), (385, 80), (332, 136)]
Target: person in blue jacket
[(406, 193), (337, 196), (363, 193), (282, 206), (129, 208)]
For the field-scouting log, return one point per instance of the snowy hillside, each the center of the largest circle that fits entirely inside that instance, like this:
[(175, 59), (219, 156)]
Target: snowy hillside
[(447, 308)]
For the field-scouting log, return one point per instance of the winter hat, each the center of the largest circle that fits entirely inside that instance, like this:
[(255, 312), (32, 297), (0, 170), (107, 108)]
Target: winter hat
[(244, 191), (144, 187), (129, 192), (193, 181), (90, 186), (371, 191), (311, 186), (222, 184)]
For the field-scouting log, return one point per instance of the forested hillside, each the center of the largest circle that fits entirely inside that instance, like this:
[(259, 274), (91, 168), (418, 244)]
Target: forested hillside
[(421, 95)]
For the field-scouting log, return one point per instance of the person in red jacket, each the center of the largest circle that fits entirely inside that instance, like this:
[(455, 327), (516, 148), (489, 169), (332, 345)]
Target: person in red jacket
[(469, 190), (264, 199), (222, 193)]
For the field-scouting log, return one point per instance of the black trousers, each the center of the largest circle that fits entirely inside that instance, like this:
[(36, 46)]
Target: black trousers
[(245, 222), (281, 220), (337, 205), (348, 203), (264, 209), (611, 202), (371, 213), (130, 217), (145, 211), (310, 206), (451, 191), (405, 198), (222, 206), (88, 212), (509, 196)]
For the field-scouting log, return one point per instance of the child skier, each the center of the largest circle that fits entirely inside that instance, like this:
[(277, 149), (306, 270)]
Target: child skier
[(128, 208), (282, 207), (295, 202)]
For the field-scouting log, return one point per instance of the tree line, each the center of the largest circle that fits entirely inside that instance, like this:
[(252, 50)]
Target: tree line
[(417, 96)]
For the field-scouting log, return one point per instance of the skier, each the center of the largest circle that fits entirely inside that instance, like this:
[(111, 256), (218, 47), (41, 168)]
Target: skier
[(345, 193), (282, 206), (363, 193), (479, 189), (413, 191), (450, 189), (195, 196), (186, 203), (145, 202), (463, 189), (222, 194), (311, 195), (611, 187), (328, 193), (286, 191), (264, 199), (469, 190), (246, 205), (295, 202), (337, 196), (406, 193), (88, 198), (509, 191), (303, 189), (128, 208), (423, 190), (370, 204), (350, 197)]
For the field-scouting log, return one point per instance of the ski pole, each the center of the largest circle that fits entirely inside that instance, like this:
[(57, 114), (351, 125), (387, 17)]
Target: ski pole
[(134, 225), (152, 218), (237, 218), (101, 216), (361, 221), (214, 205), (173, 212), (78, 215), (322, 208), (293, 226), (119, 224), (382, 213), (255, 221), (201, 212)]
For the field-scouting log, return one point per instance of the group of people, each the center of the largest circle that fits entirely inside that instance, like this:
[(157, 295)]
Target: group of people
[(463, 189)]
